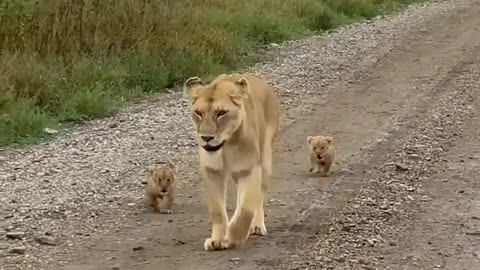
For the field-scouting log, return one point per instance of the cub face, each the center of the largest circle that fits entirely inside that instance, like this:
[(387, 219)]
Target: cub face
[(319, 145), (162, 178), (217, 109)]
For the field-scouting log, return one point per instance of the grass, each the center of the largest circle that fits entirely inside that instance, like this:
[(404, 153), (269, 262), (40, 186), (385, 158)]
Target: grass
[(72, 60)]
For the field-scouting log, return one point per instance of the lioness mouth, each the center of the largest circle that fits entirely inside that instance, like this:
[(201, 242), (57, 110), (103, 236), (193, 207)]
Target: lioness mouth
[(210, 148)]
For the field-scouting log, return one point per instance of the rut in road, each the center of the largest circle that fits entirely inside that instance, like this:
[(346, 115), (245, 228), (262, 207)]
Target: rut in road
[(375, 106)]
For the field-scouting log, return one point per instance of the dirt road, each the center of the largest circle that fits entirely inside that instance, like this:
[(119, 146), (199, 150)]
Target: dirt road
[(404, 110)]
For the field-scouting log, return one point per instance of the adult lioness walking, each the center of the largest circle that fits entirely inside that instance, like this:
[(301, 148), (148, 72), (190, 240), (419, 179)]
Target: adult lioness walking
[(236, 119)]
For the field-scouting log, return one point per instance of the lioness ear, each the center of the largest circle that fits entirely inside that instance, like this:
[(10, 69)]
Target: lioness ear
[(309, 139), (329, 139), (191, 86), (242, 84)]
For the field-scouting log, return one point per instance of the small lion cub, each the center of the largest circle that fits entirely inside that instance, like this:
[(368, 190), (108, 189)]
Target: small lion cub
[(160, 189), (322, 154)]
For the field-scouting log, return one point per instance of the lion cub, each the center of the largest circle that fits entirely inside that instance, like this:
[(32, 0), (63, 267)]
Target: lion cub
[(160, 189), (322, 154)]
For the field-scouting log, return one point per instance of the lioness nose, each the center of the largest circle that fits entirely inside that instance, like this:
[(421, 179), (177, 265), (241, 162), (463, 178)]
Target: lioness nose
[(206, 138)]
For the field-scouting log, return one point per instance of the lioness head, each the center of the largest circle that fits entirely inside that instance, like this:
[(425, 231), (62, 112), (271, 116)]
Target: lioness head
[(162, 178), (319, 145), (217, 109)]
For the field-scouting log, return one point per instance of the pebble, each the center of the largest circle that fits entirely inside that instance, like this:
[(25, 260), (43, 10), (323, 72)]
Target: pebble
[(138, 248), (15, 235), (46, 240), (17, 250)]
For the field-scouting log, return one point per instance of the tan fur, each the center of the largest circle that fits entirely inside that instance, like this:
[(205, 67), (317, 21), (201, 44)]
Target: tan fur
[(236, 118), (321, 154), (160, 189)]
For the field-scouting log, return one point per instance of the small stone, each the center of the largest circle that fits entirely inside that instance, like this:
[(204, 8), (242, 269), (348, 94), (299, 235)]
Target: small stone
[(346, 171), (348, 227), (17, 250), (414, 156), (46, 240), (400, 167), (180, 242), (112, 125), (340, 259), (138, 248), (235, 260), (50, 130), (15, 235)]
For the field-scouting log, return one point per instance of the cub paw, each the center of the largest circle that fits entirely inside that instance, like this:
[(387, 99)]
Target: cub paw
[(258, 230), (165, 211), (212, 245)]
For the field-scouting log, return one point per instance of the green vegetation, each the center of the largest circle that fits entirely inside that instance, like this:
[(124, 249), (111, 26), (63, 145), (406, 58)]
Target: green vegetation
[(70, 60)]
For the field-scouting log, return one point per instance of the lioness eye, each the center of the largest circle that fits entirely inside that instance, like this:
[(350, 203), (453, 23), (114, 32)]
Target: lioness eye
[(198, 113), (221, 112)]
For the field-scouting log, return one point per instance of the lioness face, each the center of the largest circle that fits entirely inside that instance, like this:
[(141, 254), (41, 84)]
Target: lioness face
[(217, 111), (319, 145), (163, 179)]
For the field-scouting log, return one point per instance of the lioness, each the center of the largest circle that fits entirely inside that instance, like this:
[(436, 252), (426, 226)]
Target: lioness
[(236, 118)]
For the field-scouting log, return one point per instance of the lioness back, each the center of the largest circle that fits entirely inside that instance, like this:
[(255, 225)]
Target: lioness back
[(264, 101)]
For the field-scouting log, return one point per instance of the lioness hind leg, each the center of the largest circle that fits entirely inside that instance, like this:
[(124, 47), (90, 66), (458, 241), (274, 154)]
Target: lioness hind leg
[(216, 189), (249, 195)]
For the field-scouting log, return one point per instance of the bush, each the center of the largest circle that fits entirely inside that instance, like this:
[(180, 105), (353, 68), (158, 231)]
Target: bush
[(69, 60)]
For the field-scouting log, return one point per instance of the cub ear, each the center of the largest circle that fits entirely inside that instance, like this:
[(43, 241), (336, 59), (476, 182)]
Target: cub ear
[(329, 139), (191, 86), (170, 165), (150, 171), (309, 139)]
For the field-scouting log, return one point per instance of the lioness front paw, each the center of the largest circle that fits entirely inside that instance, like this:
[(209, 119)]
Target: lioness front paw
[(165, 211), (211, 245), (258, 230)]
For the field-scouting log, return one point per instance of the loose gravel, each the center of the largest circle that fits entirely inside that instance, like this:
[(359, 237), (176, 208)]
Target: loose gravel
[(89, 179)]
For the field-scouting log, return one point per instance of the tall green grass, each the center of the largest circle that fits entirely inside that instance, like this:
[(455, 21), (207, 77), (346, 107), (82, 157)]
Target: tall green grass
[(70, 60)]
